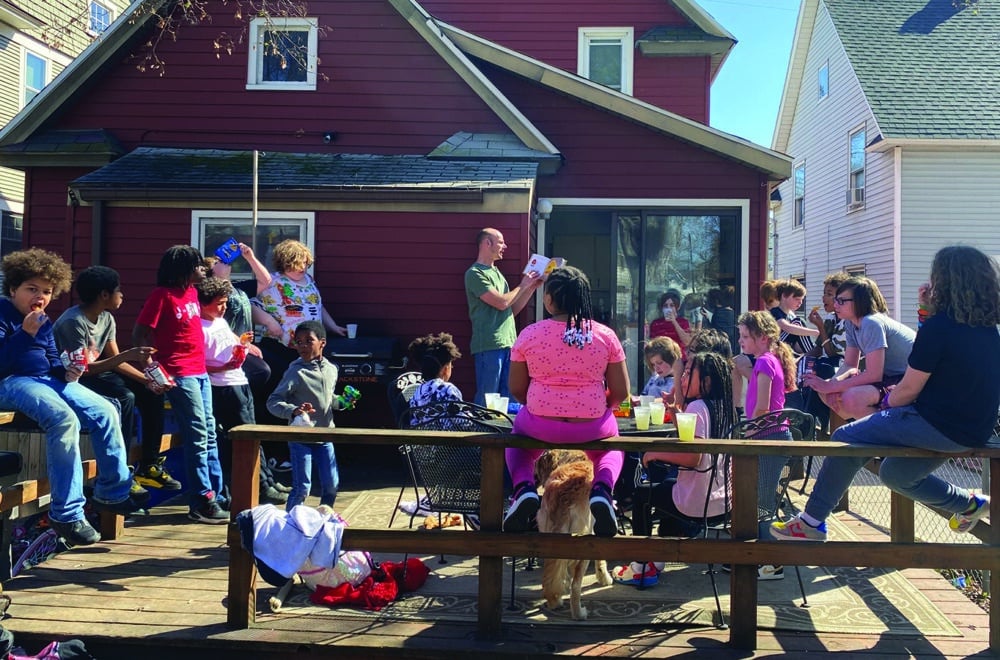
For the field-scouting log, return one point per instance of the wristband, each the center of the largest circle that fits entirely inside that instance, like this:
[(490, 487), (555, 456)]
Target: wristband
[(884, 405)]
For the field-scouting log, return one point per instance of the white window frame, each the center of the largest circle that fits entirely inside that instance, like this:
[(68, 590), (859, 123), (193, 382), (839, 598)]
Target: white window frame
[(255, 65), (200, 219), (90, 17), (625, 35), (798, 201), (856, 195), (823, 76), (46, 77), (856, 270)]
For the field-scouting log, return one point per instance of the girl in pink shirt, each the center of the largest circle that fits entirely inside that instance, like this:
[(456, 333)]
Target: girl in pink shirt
[(570, 373)]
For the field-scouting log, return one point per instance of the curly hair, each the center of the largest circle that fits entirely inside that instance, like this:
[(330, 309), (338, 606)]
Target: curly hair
[(836, 279), (291, 254), (569, 289), (716, 386), (710, 340), (965, 285), (665, 347), (177, 265), (211, 288), (21, 266), (432, 353), (867, 297), (762, 324)]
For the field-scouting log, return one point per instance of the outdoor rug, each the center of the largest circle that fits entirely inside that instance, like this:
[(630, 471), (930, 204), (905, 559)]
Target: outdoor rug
[(874, 601)]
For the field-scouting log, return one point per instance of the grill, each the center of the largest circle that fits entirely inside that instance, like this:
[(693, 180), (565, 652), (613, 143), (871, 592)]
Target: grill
[(368, 364)]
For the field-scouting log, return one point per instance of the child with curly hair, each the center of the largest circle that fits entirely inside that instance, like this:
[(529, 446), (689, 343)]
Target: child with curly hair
[(435, 355), (662, 355)]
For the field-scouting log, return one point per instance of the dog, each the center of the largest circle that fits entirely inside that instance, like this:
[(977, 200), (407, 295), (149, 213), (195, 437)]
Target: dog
[(567, 477)]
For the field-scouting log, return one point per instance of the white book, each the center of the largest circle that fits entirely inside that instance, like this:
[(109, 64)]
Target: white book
[(543, 265)]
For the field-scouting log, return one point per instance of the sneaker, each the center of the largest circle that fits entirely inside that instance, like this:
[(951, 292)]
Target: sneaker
[(273, 495), (522, 509), (637, 574), (76, 533), (605, 521), (136, 490), (208, 512), (125, 507), (797, 529), (764, 572), (156, 476), (960, 523)]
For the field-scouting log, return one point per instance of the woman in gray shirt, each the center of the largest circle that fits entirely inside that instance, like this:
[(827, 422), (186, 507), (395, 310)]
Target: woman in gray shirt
[(884, 342)]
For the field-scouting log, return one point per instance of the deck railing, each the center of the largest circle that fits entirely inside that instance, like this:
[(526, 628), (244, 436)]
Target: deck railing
[(743, 552)]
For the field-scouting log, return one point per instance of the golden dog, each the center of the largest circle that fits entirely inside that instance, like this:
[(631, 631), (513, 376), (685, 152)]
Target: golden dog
[(567, 476)]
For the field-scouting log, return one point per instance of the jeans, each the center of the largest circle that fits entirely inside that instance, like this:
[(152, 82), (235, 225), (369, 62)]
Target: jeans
[(911, 477), (492, 373), (132, 395), (302, 456), (60, 409), (191, 400)]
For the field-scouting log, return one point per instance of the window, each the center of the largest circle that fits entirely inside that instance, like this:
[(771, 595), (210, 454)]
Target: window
[(824, 80), (856, 182), (36, 73), (100, 17), (800, 195), (857, 270), (282, 53), (605, 57), (210, 229)]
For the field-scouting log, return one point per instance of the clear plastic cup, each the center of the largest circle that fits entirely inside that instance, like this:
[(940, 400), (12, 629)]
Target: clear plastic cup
[(656, 413), (352, 330), (502, 403), (685, 425), (491, 398), (641, 418), (646, 399)]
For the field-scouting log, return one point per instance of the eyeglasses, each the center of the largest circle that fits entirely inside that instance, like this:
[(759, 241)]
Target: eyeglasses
[(842, 301)]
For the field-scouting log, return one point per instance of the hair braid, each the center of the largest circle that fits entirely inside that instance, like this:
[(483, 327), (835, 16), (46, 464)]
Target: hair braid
[(569, 289)]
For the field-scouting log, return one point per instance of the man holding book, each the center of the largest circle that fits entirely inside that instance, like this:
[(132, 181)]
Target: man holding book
[(492, 306)]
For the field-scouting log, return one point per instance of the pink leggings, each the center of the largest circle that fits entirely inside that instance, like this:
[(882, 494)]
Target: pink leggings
[(607, 463)]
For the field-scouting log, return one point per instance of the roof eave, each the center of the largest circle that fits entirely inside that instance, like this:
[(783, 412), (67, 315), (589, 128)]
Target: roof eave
[(777, 166), (22, 161), (18, 18), (804, 25), (243, 193), (965, 144)]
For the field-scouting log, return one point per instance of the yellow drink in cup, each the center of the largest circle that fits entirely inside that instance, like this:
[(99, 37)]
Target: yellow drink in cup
[(641, 418), (685, 423), (656, 413)]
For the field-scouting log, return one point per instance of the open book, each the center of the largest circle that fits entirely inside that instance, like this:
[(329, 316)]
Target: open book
[(543, 265)]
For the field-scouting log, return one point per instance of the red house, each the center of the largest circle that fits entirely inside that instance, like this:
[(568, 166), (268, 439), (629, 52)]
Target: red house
[(390, 132)]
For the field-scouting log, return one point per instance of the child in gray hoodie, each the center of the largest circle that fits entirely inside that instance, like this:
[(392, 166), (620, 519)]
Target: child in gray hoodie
[(305, 396)]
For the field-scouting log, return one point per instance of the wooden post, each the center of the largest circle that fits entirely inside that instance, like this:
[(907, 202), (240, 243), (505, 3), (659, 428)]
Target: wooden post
[(245, 489), (743, 577), (491, 520), (902, 528)]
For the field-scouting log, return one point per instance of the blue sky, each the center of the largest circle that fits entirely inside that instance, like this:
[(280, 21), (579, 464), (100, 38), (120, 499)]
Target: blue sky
[(746, 93)]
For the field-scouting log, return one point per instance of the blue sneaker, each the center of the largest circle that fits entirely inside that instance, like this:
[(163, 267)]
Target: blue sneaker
[(637, 574), (603, 510)]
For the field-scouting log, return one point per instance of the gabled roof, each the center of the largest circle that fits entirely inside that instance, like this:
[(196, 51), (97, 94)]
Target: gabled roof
[(715, 39), (776, 165), (156, 173), (929, 70)]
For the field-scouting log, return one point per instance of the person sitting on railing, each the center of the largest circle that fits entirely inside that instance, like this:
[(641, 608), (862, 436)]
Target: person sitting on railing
[(435, 355), (947, 401), (570, 372)]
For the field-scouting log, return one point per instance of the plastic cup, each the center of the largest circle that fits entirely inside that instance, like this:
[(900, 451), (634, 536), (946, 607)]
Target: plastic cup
[(352, 330), (685, 425), (656, 413), (641, 418), (646, 399), (502, 403), (491, 399)]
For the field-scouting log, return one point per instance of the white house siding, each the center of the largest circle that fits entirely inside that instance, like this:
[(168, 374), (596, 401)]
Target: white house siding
[(948, 197), (11, 181), (831, 238)]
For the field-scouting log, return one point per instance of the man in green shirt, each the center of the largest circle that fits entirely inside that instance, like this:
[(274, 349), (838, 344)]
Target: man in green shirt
[(492, 306)]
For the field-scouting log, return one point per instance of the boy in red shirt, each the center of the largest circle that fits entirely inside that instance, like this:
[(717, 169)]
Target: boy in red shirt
[(170, 320)]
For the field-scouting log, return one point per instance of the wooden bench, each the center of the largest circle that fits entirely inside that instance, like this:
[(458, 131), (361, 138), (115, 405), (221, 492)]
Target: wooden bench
[(742, 551)]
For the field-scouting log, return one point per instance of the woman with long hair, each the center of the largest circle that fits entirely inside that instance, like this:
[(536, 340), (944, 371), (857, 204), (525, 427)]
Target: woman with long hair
[(947, 401), (570, 373), (884, 342)]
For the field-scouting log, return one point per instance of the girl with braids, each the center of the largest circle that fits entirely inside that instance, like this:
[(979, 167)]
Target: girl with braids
[(947, 401), (569, 371), (435, 355), (706, 386)]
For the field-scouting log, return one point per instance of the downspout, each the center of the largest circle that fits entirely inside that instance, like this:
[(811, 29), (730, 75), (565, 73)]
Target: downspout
[(97, 233), (897, 231)]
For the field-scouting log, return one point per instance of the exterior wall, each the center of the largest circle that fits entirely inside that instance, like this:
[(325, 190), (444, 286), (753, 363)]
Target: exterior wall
[(828, 240), (547, 31), (948, 197), (386, 92)]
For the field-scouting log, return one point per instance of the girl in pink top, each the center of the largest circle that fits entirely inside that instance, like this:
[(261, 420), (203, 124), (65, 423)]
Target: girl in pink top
[(570, 373), (774, 368)]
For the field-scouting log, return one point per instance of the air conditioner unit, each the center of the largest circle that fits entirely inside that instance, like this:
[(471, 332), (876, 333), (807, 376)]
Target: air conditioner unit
[(855, 196)]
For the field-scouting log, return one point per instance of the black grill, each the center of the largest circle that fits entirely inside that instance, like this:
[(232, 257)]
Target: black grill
[(368, 364)]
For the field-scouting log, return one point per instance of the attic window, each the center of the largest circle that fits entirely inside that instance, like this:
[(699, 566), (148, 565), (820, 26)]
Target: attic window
[(604, 55), (282, 54)]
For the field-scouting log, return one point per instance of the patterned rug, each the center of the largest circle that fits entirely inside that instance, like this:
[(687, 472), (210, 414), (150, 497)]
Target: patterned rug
[(840, 599)]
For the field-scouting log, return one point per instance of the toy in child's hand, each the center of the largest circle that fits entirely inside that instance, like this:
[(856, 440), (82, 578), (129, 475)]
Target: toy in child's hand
[(349, 399)]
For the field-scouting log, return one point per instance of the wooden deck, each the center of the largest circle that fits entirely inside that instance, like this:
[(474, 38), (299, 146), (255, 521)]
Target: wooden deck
[(160, 591)]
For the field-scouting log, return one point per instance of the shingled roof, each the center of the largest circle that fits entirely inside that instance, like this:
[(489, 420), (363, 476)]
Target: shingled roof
[(928, 69)]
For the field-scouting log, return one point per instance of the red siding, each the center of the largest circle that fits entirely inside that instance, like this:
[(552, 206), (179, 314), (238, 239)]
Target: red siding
[(548, 31), (387, 92)]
